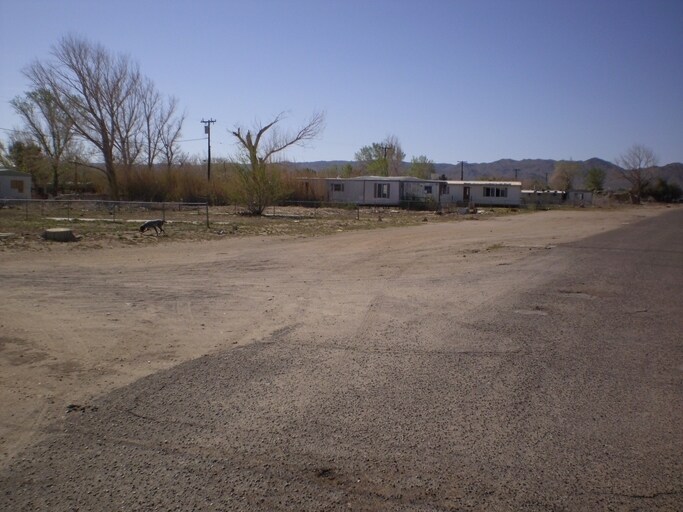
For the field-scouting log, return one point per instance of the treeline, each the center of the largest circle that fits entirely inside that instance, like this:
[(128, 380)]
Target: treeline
[(88, 105), (187, 182), (93, 123)]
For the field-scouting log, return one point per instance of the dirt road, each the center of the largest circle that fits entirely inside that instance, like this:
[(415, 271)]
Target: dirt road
[(425, 368)]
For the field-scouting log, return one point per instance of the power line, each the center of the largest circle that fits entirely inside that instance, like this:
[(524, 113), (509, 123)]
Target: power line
[(192, 140)]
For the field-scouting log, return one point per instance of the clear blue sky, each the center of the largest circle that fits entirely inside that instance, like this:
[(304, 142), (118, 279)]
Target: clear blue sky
[(453, 80)]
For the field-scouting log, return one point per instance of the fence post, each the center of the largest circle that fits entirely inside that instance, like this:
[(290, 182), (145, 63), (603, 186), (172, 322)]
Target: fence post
[(26, 207), (113, 213), (163, 211), (68, 210), (207, 215), (357, 212)]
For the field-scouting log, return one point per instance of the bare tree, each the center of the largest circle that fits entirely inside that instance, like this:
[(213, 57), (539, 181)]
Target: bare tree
[(110, 104), (565, 174), (93, 89), (395, 155), (48, 126), (150, 100), (636, 168), (129, 140), (257, 184), (161, 126), (168, 128)]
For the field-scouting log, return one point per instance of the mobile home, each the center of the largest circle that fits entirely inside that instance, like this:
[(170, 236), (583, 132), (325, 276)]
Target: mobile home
[(490, 193), (382, 190), (14, 184)]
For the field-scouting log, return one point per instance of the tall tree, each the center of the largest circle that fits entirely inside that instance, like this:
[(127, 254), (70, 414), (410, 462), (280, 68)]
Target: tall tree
[(107, 100), (169, 135), (421, 167), (27, 156), (161, 126), (382, 158), (564, 175), (595, 179), (636, 167), (258, 182), (94, 89), (48, 126)]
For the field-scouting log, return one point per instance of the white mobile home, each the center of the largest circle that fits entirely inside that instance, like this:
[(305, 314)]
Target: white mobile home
[(541, 197), (410, 191), (382, 190), (489, 193), (14, 184)]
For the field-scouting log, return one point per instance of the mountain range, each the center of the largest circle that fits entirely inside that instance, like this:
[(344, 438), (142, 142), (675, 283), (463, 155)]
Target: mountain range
[(528, 171)]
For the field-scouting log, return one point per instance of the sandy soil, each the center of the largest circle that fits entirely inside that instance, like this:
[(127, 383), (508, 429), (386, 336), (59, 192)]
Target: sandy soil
[(75, 325)]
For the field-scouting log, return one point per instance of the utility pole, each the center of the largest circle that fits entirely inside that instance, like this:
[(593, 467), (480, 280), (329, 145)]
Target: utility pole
[(462, 170), (207, 131), (386, 162)]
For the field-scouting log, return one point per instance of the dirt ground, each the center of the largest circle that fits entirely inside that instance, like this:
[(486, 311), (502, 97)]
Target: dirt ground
[(75, 325)]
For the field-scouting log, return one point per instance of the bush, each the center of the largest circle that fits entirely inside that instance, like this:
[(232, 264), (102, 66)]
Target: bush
[(257, 188), (419, 204), (187, 184), (664, 192)]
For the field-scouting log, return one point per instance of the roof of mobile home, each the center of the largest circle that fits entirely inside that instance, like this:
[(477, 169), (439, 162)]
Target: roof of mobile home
[(492, 183), (381, 178), (4, 171)]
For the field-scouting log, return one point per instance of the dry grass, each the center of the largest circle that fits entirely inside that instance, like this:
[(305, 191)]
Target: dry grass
[(22, 231)]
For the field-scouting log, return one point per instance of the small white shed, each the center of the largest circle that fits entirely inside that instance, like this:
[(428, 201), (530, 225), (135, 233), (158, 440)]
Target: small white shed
[(14, 184)]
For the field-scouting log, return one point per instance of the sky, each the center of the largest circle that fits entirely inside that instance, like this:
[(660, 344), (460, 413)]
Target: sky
[(471, 80)]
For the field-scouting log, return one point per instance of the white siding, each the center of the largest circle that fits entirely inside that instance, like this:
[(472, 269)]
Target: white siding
[(483, 193), (15, 186), (381, 192)]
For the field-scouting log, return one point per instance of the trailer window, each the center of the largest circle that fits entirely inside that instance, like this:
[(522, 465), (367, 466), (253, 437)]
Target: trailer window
[(381, 190), (495, 192)]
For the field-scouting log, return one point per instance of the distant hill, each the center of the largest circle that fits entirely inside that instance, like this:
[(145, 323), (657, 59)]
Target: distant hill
[(527, 171)]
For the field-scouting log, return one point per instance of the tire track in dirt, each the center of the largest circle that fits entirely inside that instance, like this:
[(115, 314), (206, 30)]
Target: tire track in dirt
[(323, 287)]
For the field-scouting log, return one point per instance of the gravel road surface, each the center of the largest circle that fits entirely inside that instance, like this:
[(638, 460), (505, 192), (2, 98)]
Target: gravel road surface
[(512, 376)]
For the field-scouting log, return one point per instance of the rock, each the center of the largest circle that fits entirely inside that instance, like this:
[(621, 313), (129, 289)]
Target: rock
[(59, 235)]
